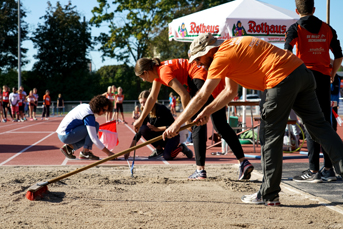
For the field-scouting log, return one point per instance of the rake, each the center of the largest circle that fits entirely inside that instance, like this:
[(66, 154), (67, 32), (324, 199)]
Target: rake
[(39, 189)]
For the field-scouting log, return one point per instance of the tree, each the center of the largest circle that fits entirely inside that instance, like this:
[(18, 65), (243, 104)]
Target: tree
[(9, 34), (134, 25), (62, 43)]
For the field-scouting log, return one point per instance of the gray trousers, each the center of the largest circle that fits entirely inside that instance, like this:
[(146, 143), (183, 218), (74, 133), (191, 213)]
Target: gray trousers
[(297, 92)]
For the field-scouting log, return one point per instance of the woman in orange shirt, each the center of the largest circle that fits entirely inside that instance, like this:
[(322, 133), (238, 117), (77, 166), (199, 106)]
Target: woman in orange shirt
[(176, 73), (46, 104)]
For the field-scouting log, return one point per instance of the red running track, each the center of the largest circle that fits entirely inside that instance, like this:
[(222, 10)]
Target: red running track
[(35, 143)]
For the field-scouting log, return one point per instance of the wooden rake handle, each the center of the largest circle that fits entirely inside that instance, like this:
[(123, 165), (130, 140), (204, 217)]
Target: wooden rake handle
[(114, 156)]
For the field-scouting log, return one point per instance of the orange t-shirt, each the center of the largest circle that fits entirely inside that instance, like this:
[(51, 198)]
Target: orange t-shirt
[(120, 98), (179, 69), (252, 63), (46, 100)]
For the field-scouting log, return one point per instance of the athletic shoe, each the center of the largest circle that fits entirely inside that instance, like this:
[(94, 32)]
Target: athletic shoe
[(3, 120), (89, 156), (14, 120), (25, 119), (198, 175), (308, 176), (31, 119), (46, 118), (274, 202), (22, 120), (41, 118), (156, 153), (186, 151), (68, 152), (35, 119), (245, 169), (252, 199), (328, 175)]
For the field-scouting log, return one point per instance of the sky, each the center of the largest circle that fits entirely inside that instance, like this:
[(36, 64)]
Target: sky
[(37, 8)]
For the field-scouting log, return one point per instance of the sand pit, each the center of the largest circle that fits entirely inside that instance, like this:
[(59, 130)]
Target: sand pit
[(157, 197)]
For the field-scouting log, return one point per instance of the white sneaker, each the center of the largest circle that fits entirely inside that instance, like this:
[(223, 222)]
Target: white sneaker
[(252, 199), (46, 118)]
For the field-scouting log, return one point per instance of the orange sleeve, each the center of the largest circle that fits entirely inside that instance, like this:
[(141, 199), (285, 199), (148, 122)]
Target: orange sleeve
[(166, 75)]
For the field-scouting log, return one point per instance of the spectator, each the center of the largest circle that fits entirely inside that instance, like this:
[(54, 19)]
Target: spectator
[(159, 119), (111, 96), (1, 108), (119, 104), (172, 103), (136, 113), (25, 104), (46, 105), (115, 92), (36, 103), (60, 105), (31, 100), (5, 101), (307, 34), (21, 105), (79, 128), (14, 102)]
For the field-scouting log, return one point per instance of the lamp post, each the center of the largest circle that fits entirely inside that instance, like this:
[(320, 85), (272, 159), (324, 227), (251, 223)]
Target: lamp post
[(19, 44)]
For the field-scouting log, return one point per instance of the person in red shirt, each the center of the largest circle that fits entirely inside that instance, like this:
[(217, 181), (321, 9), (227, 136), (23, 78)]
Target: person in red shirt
[(5, 101), (176, 73), (1, 108), (286, 84), (21, 105), (111, 96), (314, 39), (46, 105)]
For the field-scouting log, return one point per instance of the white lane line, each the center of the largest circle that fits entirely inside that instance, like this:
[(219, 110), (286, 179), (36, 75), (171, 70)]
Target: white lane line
[(20, 128), (31, 132), (65, 161), (17, 154), (152, 149)]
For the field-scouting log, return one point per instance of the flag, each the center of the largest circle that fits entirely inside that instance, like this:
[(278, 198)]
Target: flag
[(338, 119), (108, 135)]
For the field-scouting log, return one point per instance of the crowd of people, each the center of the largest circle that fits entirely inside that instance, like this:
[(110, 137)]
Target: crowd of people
[(20, 106)]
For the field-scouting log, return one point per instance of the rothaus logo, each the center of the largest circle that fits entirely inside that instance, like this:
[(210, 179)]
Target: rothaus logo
[(202, 28), (265, 28)]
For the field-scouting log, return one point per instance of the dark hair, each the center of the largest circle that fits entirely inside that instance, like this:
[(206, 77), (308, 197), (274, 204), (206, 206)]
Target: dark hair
[(304, 7), (99, 102), (146, 64)]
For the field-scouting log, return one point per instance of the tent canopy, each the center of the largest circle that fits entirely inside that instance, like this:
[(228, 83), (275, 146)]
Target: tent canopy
[(237, 18)]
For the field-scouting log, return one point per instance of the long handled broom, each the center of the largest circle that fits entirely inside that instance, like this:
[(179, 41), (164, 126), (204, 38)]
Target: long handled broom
[(38, 189)]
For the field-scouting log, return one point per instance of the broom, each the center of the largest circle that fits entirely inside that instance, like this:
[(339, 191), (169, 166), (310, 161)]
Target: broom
[(39, 189)]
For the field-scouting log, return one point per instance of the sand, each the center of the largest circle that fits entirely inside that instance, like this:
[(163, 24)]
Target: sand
[(156, 197)]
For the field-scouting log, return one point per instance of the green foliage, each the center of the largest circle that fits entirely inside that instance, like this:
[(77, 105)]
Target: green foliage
[(62, 43), (9, 34)]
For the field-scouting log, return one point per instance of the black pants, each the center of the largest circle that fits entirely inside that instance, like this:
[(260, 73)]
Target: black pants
[(46, 111), (4, 106), (170, 145), (323, 92), (199, 133)]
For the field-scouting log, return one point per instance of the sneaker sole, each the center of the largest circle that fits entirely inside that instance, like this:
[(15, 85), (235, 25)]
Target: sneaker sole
[(308, 181), (198, 178), (329, 179), (83, 158), (272, 204), (247, 173)]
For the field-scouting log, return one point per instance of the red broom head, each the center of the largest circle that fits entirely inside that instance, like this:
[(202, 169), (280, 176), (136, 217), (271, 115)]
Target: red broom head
[(33, 195)]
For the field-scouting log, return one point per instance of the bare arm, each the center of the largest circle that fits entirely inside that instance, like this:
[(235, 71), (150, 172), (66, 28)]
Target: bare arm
[(335, 66), (149, 104), (194, 105)]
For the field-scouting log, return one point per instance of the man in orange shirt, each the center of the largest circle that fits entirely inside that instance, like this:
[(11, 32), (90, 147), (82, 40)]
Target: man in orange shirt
[(286, 84)]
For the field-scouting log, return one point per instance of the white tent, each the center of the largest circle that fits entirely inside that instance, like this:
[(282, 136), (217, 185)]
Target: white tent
[(237, 18)]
